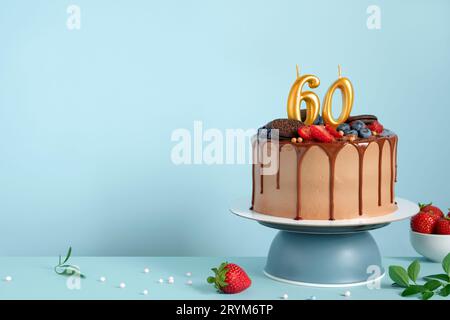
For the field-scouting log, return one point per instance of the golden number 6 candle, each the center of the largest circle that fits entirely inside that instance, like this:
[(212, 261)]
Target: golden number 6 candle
[(296, 96), (346, 88)]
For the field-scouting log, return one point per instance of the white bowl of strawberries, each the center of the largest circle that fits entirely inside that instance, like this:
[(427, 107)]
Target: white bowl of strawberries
[(430, 232)]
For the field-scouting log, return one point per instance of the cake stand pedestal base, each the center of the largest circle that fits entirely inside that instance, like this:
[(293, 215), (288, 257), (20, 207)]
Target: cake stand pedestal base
[(324, 260), (323, 253)]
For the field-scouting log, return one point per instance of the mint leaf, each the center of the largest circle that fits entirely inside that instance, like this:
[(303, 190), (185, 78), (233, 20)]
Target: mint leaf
[(413, 270), (399, 275), (432, 285), (441, 277), (445, 291), (446, 264), (412, 290), (427, 295)]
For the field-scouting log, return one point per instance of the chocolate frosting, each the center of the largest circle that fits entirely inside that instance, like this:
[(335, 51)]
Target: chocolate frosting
[(332, 150)]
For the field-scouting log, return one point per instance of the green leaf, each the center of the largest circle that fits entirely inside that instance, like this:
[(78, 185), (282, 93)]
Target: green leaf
[(413, 270), (441, 277), (211, 280), (445, 291), (446, 264), (69, 253), (399, 275), (427, 295), (423, 205), (412, 290), (432, 285)]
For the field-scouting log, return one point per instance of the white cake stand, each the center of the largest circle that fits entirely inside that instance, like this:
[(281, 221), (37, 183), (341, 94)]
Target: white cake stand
[(323, 253)]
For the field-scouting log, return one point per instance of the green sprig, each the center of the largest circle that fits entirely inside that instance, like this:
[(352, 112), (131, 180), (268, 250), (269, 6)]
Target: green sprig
[(435, 283), (65, 269)]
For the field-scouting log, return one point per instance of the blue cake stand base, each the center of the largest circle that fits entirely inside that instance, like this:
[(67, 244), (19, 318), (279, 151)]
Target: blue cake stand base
[(339, 253), (324, 260)]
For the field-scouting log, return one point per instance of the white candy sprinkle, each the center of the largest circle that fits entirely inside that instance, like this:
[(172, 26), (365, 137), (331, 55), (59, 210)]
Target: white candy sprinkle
[(145, 292), (188, 274), (160, 280), (146, 270), (189, 282), (171, 280), (102, 279), (285, 296), (347, 293), (8, 278), (312, 298), (122, 285)]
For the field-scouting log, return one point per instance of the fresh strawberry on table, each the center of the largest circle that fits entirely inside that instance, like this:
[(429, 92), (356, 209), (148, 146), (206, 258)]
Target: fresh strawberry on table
[(423, 222), (321, 134), (230, 278), (443, 226), (431, 209)]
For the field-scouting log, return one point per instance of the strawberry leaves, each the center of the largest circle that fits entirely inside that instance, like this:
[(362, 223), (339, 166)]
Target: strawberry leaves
[(219, 276), (435, 283), (423, 205)]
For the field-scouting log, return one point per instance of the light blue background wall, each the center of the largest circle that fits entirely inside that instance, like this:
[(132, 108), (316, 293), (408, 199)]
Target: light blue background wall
[(86, 116)]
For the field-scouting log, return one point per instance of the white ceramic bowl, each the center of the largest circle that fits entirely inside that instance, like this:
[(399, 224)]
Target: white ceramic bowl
[(432, 246)]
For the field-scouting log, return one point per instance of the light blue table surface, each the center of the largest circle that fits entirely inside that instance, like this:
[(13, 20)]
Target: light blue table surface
[(34, 278)]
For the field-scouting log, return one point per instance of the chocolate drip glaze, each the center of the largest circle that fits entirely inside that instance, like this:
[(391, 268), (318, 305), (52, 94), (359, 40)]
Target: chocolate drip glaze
[(380, 167), (279, 166), (361, 151), (393, 144), (332, 150), (300, 153), (261, 176), (396, 150), (253, 186)]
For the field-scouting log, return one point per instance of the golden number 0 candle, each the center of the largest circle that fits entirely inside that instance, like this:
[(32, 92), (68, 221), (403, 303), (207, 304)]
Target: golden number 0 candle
[(346, 88), (296, 96)]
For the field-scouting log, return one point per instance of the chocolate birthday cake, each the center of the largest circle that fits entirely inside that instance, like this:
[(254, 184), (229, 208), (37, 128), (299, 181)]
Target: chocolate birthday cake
[(326, 169)]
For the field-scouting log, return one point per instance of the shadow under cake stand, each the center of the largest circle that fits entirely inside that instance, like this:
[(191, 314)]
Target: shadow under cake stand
[(322, 253)]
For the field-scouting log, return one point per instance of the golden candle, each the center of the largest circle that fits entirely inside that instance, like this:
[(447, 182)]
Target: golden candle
[(296, 96), (346, 88)]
